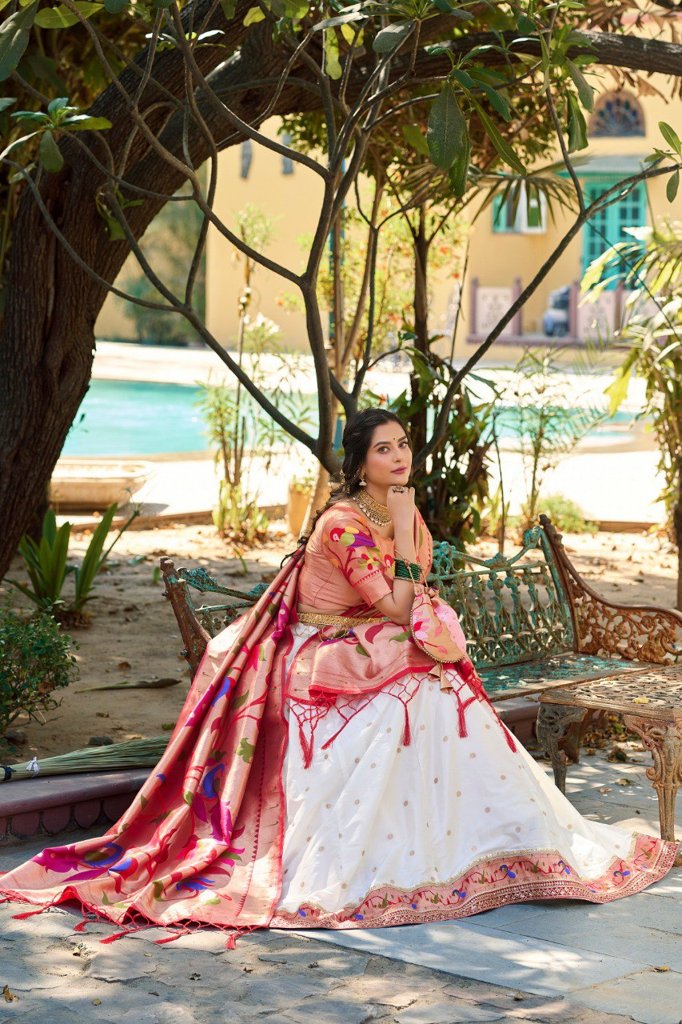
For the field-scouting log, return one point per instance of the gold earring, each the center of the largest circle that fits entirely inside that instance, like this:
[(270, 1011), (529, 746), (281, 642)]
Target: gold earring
[(363, 482)]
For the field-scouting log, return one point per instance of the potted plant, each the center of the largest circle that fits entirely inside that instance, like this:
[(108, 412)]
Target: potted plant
[(301, 487)]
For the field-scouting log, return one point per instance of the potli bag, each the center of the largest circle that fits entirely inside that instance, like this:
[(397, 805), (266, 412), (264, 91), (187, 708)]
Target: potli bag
[(436, 630)]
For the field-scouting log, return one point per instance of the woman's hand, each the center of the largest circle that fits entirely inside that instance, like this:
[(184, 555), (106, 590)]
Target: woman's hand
[(400, 504)]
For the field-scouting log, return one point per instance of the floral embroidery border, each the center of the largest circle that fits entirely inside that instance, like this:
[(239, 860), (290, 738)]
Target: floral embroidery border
[(490, 883)]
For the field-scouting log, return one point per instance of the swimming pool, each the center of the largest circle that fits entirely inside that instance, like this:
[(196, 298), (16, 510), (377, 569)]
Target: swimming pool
[(120, 417)]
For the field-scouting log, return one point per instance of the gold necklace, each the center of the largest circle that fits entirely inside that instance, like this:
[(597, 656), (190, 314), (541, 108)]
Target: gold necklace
[(373, 509)]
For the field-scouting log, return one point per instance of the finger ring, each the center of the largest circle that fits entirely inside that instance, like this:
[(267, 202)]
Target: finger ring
[(399, 490)]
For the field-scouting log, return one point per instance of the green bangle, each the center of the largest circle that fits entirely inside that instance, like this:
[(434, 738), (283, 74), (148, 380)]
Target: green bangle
[(408, 570)]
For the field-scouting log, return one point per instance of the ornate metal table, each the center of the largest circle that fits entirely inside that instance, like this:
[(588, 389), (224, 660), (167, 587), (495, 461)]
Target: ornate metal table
[(649, 703)]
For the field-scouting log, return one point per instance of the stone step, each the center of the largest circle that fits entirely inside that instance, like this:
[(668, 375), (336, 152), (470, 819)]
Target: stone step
[(64, 803)]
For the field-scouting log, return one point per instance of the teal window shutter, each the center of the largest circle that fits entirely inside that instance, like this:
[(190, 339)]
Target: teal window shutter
[(503, 221), (607, 226), (527, 218)]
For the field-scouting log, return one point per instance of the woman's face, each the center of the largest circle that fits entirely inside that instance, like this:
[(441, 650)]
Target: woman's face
[(389, 458)]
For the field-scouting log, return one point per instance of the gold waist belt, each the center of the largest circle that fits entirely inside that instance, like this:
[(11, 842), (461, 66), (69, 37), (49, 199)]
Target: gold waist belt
[(327, 619)]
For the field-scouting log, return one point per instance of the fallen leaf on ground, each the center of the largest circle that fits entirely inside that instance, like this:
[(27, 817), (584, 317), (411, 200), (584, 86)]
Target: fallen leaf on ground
[(661, 968), (623, 782), (9, 996), (640, 700), (604, 789)]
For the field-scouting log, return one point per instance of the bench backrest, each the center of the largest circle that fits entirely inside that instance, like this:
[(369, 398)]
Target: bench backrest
[(512, 609)]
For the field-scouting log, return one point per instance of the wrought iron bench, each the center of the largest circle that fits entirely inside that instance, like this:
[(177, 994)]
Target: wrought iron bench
[(531, 622)]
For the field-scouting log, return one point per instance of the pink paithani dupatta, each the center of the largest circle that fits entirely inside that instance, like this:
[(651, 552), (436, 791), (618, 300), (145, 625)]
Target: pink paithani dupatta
[(202, 841)]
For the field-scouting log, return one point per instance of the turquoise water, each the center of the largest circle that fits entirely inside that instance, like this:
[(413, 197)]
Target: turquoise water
[(120, 417), (139, 418)]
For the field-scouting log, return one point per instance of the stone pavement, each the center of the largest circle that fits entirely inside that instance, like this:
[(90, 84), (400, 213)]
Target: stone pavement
[(566, 962)]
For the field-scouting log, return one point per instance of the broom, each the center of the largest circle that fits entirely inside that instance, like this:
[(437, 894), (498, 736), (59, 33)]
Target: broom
[(143, 753)]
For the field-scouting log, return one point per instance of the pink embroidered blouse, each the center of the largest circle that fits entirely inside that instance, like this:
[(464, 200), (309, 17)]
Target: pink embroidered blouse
[(347, 567)]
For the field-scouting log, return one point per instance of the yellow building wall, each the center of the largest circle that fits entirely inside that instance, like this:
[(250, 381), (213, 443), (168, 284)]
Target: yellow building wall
[(496, 258), (291, 202)]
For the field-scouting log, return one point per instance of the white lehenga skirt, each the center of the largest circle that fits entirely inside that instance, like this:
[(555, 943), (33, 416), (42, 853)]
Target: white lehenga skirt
[(381, 833)]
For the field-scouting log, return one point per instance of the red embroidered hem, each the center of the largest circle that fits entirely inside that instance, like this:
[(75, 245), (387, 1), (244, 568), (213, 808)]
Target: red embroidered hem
[(494, 883)]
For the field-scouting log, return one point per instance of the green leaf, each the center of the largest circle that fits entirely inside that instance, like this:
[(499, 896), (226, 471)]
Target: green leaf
[(58, 104), (238, 701), (332, 64), (585, 90), (83, 123), (157, 889), (390, 38), (447, 128), (500, 144), (295, 9), (253, 16), (618, 388), (341, 19), (115, 6), (352, 35), (459, 172), (414, 137), (577, 128), (7, 101), (229, 7), (62, 17), (497, 101), (464, 79), (48, 153), (672, 186), (93, 559), (188, 797), (446, 7), (32, 116), (14, 36), (670, 136)]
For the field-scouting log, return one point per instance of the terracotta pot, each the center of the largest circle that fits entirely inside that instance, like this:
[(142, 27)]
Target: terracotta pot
[(297, 507)]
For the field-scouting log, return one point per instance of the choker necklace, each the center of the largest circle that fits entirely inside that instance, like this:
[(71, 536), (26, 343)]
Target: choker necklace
[(373, 509)]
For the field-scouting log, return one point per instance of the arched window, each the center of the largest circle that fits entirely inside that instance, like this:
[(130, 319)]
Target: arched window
[(617, 113)]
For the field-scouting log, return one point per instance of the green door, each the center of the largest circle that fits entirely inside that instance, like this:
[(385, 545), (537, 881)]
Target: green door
[(607, 227)]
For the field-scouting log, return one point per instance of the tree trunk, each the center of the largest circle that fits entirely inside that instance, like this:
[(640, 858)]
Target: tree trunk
[(47, 340)]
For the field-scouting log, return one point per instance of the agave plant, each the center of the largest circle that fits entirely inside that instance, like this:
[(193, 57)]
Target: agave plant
[(48, 566)]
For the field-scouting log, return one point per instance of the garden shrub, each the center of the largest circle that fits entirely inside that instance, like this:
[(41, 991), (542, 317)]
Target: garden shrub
[(36, 659), (566, 514)]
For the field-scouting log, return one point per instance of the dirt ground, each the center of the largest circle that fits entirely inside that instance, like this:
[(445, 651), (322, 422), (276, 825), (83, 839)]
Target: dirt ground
[(133, 635)]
